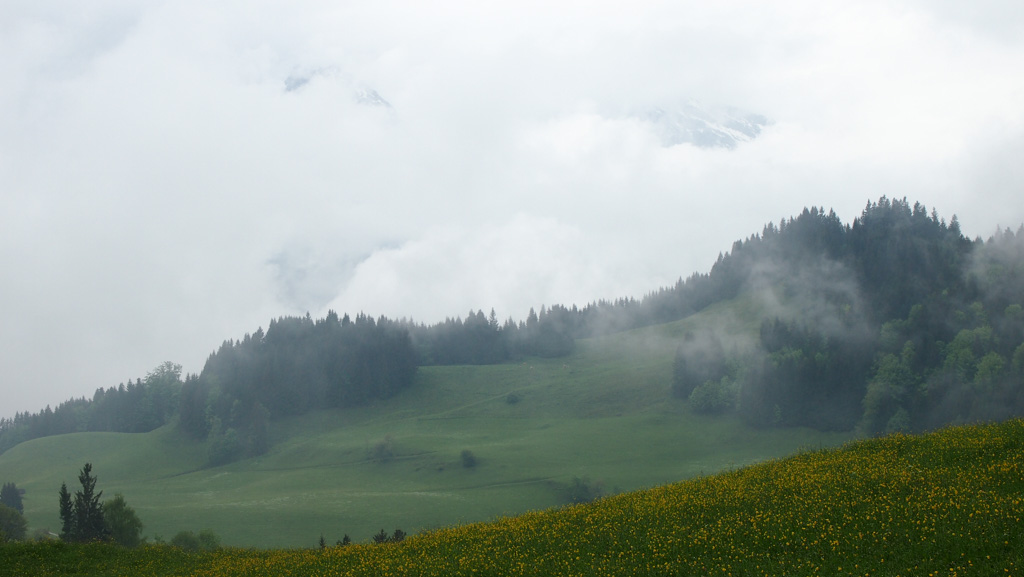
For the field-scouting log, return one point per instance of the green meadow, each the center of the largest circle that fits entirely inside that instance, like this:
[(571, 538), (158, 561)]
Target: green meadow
[(949, 503), (603, 415)]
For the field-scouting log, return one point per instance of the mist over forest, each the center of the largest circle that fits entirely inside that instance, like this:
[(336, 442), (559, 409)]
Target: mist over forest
[(893, 322)]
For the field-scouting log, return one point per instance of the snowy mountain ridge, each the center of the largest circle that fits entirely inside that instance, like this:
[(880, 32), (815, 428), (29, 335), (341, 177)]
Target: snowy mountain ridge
[(702, 126)]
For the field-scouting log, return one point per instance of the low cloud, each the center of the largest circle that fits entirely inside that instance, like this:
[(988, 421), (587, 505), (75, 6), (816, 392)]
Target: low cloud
[(163, 189), (524, 262)]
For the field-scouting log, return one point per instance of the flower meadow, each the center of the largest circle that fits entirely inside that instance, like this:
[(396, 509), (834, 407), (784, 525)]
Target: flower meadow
[(946, 503)]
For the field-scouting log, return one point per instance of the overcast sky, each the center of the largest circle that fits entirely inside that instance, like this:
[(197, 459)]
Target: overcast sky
[(174, 174)]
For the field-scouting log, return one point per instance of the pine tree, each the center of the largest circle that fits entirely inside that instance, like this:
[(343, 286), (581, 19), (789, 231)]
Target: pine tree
[(82, 519), (67, 516), (88, 510), (11, 496)]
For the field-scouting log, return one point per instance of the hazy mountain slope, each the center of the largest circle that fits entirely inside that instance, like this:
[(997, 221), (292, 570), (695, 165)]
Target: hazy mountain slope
[(604, 413), (898, 283), (896, 322)]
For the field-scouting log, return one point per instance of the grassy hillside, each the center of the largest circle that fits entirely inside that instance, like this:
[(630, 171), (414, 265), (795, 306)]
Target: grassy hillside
[(948, 503), (604, 414)]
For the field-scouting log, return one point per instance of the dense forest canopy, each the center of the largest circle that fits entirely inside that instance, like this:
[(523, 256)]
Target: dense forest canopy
[(297, 366), (895, 321)]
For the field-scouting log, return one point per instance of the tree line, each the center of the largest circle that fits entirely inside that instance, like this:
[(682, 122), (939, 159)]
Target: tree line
[(297, 366), (919, 327), (137, 407), (859, 286), (237, 392), (482, 340)]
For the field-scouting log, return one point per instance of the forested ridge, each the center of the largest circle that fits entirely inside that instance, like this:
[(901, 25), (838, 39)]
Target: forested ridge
[(893, 322), (896, 322)]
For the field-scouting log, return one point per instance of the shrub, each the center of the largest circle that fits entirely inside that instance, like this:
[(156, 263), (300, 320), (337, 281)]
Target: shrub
[(383, 450), (186, 540), (207, 540), (123, 524), (713, 397), (468, 459), (222, 448), (583, 490), (899, 422), (12, 524)]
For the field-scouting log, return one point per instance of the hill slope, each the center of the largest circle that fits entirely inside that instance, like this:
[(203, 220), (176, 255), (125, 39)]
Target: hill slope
[(605, 414), (894, 323), (946, 503)]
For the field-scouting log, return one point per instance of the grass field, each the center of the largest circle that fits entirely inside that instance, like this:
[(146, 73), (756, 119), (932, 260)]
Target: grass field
[(605, 413), (949, 503)]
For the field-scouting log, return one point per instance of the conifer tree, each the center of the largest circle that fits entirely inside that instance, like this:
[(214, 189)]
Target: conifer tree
[(89, 525), (67, 514), (11, 496), (82, 519)]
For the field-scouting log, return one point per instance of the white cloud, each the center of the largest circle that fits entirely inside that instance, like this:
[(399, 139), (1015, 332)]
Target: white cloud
[(162, 191), (512, 264)]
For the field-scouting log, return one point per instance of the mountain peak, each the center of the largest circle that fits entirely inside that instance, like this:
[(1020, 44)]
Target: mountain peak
[(299, 79), (704, 126), (370, 97)]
